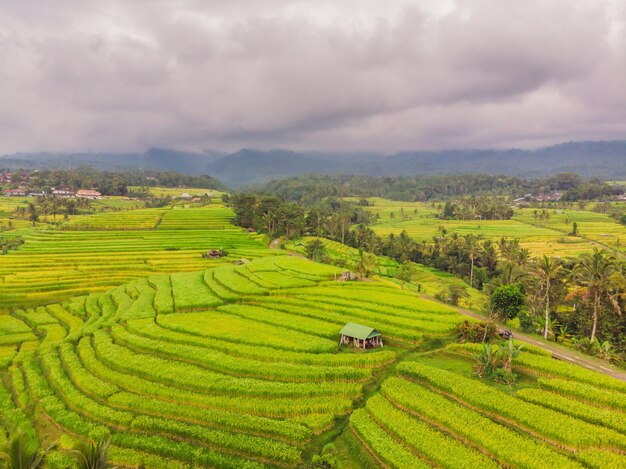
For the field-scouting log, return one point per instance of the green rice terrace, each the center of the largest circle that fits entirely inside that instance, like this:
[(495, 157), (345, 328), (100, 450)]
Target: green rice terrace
[(94, 253), (239, 366), (116, 328)]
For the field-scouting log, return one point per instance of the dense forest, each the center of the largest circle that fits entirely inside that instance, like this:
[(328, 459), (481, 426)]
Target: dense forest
[(308, 189), (108, 182)]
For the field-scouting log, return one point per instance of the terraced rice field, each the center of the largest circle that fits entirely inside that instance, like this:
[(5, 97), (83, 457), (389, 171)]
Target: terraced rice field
[(592, 226), (146, 219), (420, 222), (430, 416), (236, 366), (53, 265)]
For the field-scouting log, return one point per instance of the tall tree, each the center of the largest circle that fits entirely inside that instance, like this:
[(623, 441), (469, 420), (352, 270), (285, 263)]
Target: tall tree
[(547, 271), (598, 280)]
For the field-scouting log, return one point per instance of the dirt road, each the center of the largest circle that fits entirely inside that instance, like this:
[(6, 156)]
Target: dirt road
[(566, 355)]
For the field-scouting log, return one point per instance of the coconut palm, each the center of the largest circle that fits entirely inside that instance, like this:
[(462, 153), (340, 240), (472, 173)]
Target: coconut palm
[(22, 451), (90, 455), (547, 271), (598, 279)]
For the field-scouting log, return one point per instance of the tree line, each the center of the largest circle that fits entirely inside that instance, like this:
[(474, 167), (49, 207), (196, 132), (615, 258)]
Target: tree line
[(309, 189), (113, 182)]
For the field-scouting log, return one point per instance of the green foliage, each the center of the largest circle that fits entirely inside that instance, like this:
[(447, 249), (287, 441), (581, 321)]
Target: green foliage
[(90, 455), (507, 301), (475, 332), (315, 250), (10, 243), (23, 452)]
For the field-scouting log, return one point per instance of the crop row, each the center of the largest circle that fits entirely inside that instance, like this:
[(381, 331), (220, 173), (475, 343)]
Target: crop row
[(237, 366), (414, 319), (79, 425), (382, 296), (268, 407), (194, 378), (235, 421), (238, 330), (585, 392), (564, 429), (150, 329), (74, 399), (228, 278), (241, 443), (217, 288), (424, 310), (507, 446), (191, 293), (306, 324), (556, 368), (469, 348), (381, 444), (308, 307), (603, 417), (435, 446)]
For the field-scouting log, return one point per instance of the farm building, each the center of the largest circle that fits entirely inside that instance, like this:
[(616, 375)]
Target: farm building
[(15, 193), (88, 194), (361, 336)]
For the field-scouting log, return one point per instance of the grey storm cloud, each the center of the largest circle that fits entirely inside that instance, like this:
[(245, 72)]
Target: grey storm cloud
[(325, 75)]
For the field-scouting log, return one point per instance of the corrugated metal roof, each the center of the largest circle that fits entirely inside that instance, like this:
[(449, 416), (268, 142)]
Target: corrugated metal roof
[(359, 332)]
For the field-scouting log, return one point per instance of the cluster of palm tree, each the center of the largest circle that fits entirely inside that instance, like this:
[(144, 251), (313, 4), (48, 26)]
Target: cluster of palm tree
[(566, 299), (595, 283), (52, 205), (23, 451)]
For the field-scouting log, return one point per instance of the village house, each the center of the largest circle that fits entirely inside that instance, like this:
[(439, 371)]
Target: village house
[(63, 193), (360, 336), (15, 192), (88, 194)]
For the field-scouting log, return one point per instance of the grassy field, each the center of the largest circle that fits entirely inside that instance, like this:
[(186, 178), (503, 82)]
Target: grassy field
[(239, 366), (550, 237), (592, 226)]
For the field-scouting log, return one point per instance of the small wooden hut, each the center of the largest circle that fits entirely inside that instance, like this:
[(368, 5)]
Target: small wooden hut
[(361, 336)]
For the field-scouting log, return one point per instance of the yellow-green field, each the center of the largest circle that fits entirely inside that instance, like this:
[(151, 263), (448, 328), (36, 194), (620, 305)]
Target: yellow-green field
[(100, 251), (177, 191), (550, 237), (592, 226)]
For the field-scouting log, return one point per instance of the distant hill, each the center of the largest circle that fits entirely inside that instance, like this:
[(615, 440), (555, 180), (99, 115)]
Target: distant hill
[(605, 160), (159, 159)]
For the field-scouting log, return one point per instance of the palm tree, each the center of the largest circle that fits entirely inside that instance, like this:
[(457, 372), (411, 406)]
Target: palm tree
[(90, 455), (473, 250), (598, 279), (547, 271), (22, 451)]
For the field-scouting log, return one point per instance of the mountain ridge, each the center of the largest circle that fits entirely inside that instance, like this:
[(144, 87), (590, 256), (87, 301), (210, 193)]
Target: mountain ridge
[(602, 159)]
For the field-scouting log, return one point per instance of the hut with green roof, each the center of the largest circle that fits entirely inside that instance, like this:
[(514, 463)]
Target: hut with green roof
[(360, 336)]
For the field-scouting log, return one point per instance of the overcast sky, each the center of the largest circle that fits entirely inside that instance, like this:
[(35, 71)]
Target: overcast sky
[(380, 75)]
